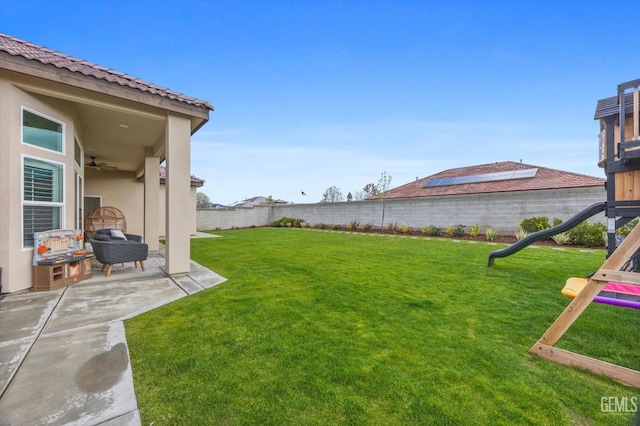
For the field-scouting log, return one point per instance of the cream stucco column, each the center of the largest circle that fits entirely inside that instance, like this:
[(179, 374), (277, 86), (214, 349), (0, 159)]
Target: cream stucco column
[(178, 200), (151, 202)]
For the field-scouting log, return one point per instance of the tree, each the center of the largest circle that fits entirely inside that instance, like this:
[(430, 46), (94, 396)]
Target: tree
[(270, 203), (384, 183), (202, 201), (359, 196), (332, 195), (369, 190)]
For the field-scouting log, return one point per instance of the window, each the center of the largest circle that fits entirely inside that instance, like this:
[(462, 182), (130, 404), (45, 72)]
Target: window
[(42, 131), (77, 152), (42, 197)]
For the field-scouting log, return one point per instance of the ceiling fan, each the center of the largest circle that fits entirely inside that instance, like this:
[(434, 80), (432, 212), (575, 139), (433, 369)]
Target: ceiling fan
[(100, 166)]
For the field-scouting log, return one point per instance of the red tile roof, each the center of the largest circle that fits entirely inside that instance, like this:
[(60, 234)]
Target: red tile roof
[(544, 179), (16, 47), (195, 181)]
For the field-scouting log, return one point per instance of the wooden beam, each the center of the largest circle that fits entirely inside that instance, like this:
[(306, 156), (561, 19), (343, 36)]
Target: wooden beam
[(572, 312), (617, 276), (621, 374)]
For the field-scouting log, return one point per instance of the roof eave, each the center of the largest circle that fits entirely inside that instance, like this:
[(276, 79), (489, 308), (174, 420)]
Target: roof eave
[(52, 73)]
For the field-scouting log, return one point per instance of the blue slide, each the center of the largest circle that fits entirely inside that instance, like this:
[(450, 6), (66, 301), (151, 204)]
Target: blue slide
[(546, 233)]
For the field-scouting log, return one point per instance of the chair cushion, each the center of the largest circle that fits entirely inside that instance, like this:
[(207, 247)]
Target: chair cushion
[(118, 234), (101, 237)]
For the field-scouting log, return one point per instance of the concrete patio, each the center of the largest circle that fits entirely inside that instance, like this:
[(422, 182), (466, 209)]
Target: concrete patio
[(64, 357)]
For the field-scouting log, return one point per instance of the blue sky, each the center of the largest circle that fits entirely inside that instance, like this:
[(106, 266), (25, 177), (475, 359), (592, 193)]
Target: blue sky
[(312, 94)]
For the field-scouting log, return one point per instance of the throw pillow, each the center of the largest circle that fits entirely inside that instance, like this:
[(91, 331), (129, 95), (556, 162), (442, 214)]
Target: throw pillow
[(118, 234)]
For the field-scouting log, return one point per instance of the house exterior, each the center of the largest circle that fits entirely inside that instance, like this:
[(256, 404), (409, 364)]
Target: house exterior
[(256, 201), (506, 176), (56, 113)]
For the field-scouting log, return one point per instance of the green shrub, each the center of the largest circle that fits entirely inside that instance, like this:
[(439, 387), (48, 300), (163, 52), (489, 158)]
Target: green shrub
[(588, 234), (426, 229), (404, 229), (624, 230), (392, 227), (535, 224), (448, 231), (562, 238), (520, 234), (335, 227), (435, 231), (458, 230), (287, 222), (491, 234), (323, 226), (474, 231), (556, 221)]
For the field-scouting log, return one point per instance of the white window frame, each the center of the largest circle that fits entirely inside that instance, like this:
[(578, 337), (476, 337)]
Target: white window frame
[(64, 131), (80, 166), (78, 185), (24, 202)]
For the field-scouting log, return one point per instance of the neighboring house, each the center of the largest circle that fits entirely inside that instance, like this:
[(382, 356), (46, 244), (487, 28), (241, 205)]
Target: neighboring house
[(256, 201), (506, 176), (57, 115), (496, 195)]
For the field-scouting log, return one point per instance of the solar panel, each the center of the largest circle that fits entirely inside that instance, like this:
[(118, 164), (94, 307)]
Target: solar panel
[(482, 177)]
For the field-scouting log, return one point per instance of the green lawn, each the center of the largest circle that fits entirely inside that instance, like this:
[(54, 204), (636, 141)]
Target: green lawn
[(316, 327)]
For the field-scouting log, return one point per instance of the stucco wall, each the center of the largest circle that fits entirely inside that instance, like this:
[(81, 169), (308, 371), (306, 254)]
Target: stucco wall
[(119, 189), (123, 191), (500, 211), (14, 259)]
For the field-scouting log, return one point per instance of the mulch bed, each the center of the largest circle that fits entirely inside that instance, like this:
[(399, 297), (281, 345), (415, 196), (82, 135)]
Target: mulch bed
[(506, 239)]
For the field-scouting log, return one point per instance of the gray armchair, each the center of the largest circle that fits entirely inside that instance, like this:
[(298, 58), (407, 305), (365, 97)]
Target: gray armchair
[(110, 249)]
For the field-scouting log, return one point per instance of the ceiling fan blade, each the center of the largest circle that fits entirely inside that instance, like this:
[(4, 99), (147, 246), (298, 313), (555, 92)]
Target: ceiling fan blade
[(100, 166), (104, 166)]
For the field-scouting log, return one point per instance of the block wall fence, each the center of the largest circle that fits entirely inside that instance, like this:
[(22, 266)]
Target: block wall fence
[(502, 211)]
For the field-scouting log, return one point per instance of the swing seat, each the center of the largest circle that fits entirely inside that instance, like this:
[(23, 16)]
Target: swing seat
[(573, 286), (618, 294)]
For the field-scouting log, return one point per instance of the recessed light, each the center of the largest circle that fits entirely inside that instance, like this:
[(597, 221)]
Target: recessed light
[(124, 126)]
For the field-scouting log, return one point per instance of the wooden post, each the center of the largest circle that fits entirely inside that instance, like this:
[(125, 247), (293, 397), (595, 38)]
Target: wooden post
[(636, 114)]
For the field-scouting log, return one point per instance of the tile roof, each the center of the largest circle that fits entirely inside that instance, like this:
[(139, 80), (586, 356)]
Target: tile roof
[(544, 179), (16, 47), (195, 181)]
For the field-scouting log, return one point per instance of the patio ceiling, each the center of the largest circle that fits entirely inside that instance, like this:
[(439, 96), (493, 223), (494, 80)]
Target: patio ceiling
[(119, 138)]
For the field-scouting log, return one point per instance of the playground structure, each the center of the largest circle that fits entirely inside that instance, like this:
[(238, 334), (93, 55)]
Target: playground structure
[(610, 271), (619, 155)]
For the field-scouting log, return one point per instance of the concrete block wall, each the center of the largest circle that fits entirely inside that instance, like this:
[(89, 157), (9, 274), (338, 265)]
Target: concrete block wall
[(500, 211), (241, 217)]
